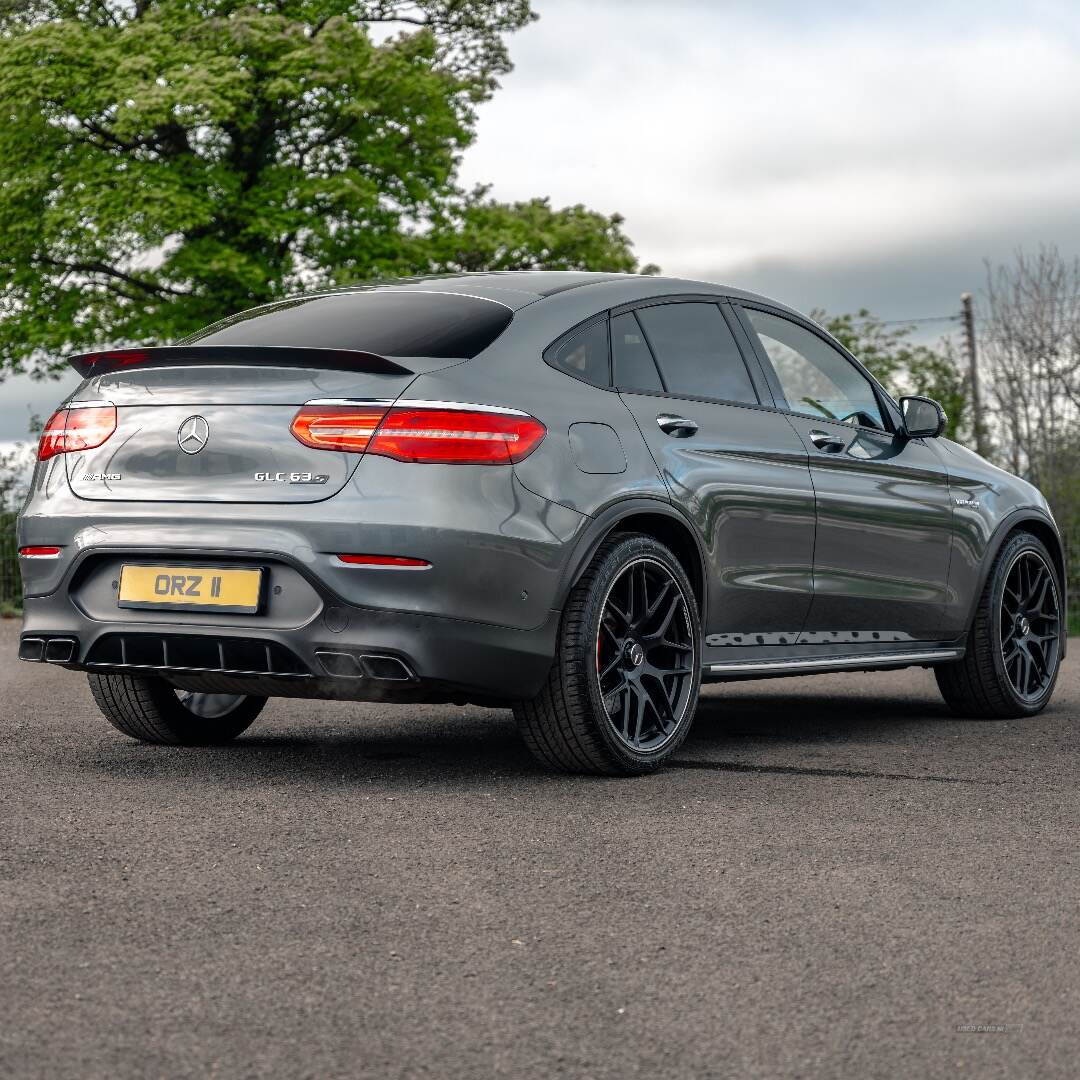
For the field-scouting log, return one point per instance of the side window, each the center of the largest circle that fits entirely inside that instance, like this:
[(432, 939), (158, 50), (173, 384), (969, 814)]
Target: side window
[(583, 354), (634, 365), (815, 378), (696, 352)]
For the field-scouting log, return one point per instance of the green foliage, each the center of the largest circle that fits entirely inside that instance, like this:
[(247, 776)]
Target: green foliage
[(166, 162), (10, 579), (1058, 478), (482, 234), (15, 468), (903, 367)]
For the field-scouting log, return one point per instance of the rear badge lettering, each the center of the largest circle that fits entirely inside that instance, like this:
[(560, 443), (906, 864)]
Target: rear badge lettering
[(291, 478), (96, 477)]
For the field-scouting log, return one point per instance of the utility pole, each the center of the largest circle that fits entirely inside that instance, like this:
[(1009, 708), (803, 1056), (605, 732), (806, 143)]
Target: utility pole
[(968, 317)]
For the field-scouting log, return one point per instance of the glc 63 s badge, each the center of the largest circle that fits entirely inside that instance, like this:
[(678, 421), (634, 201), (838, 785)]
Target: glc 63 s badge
[(291, 477)]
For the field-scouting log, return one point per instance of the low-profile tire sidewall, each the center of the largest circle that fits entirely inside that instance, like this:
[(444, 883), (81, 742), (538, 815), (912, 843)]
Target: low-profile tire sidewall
[(627, 551), (147, 708), (1025, 542)]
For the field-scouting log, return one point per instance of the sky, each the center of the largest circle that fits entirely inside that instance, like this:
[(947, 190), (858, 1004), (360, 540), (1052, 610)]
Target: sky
[(830, 154)]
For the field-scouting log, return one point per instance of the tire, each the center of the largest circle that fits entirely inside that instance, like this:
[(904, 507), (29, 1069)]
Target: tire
[(982, 684), (572, 725), (147, 708)]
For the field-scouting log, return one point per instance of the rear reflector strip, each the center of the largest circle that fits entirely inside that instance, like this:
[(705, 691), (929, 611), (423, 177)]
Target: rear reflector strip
[(440, 432), (40, 552), (400, 562)]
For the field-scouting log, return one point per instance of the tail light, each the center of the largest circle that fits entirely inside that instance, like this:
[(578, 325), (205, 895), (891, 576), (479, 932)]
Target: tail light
[(423, 432), (337, 427), (78, 428)]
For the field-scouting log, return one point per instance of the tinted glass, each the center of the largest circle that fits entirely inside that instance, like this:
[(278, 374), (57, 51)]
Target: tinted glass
[(696, 352), (634, 365), (399, 323), (583, 354), (815, 378)]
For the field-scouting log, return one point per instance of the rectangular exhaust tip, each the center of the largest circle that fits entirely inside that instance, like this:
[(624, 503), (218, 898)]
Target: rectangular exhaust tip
[(32, 649), (60, 650)]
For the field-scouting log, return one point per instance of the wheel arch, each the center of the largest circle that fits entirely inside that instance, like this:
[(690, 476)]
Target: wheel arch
[(1039, 525), (650, 517)]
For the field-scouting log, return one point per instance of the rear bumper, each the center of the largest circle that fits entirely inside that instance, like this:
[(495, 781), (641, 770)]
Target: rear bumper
[(354, 654), (480, 623)]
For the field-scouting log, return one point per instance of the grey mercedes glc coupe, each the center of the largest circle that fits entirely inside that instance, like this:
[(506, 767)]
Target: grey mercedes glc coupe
[(572, 494)]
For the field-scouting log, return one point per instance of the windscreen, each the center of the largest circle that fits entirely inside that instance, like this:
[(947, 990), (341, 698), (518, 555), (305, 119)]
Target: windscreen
[(392, 323)]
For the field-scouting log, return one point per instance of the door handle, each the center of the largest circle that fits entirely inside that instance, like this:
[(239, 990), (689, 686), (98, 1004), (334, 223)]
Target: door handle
[(678, 426), (826, 441)]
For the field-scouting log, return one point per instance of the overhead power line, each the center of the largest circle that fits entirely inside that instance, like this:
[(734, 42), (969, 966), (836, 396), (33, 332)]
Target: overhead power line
[(955, 318)]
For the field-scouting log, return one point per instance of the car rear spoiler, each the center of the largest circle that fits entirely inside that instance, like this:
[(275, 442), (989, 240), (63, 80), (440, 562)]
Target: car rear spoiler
[(112, 360)]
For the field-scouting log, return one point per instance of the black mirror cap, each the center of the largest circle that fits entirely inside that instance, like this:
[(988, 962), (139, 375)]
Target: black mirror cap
[(924, 418)]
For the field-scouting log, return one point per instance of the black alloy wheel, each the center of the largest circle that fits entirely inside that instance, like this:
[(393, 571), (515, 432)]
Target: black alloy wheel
[(645, 655), (622, 691), (1030, 625), (1016, 642)]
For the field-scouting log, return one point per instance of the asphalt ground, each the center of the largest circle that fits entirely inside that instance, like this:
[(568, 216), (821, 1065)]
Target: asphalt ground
[(835, 879)]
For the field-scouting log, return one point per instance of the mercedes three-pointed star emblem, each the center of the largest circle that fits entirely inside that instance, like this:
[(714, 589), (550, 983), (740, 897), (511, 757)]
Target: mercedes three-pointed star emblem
[(193, 434)]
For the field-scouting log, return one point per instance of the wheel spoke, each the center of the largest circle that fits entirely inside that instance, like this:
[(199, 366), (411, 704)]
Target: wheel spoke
[(624, 715), (1038, 660), (654, 607), (1011, 595), (613, 609), (661, 705), (643, 593), (612, 666), (659, 634), (1044, 591), (638, 711), (1025, 672), (631, 597)]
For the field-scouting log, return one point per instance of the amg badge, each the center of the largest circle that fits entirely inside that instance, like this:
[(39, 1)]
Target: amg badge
[(103, 476)]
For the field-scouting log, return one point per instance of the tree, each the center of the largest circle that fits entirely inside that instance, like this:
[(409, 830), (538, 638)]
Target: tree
[(482, 234), (1031, 344), (166, 162), (901, 366)]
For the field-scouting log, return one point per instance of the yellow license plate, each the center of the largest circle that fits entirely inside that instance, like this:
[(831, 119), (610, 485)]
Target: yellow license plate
[(191, 588)]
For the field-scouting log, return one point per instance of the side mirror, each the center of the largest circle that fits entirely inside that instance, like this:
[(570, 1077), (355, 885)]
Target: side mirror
[(924, 418)]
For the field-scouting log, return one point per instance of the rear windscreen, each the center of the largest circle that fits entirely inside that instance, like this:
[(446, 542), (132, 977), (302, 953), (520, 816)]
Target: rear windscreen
[(400, 323)]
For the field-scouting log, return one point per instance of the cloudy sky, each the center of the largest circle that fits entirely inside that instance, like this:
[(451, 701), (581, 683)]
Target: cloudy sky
[(834, 154)]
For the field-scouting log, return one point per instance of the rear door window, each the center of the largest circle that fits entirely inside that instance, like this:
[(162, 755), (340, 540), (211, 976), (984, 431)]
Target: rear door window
[(696, 352), (634, 367)]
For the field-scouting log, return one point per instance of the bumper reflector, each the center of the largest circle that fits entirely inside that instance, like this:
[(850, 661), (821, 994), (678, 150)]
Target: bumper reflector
[(40, 552), (401, 562)]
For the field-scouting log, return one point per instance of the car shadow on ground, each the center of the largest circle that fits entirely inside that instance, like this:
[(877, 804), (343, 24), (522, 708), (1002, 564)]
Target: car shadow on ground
[(465, 746)]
